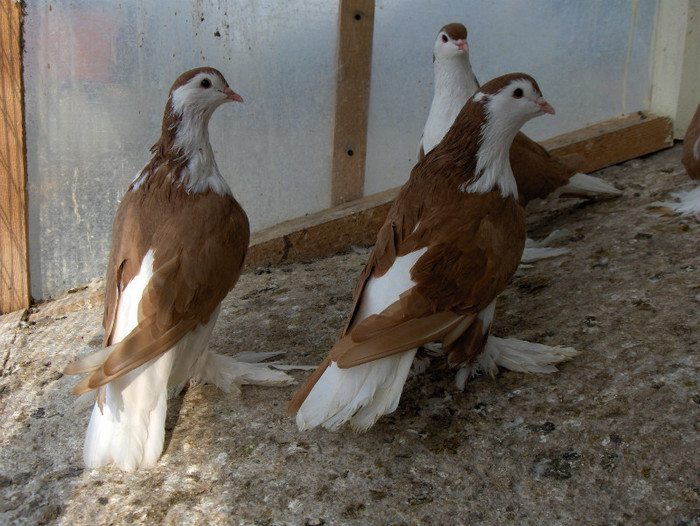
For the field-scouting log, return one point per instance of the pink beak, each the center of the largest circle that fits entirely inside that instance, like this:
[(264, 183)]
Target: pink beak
[(462, 44), (230, 94), (545, 106)]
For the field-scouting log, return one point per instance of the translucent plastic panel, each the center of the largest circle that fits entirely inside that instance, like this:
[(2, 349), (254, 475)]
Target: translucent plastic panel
[(591, 60), (97, 75)]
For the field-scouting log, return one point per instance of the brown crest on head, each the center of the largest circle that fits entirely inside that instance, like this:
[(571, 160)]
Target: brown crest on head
[(494, 86), (455, 30)]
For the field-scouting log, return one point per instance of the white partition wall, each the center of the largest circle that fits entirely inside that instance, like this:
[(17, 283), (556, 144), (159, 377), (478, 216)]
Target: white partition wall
[(97, 75)]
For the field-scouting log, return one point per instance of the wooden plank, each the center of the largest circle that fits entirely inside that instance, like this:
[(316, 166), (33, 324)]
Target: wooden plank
[(322, 234), (615, 141), (334, 230), (355, 30), (14, 248)]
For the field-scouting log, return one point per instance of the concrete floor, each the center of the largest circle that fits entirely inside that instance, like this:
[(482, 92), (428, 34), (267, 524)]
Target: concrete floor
[(612, 438)]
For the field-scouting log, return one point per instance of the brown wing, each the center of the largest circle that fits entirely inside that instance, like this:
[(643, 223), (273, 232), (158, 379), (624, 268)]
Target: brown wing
[(199, 243), (474, 247), (537, 172), (691, 147)]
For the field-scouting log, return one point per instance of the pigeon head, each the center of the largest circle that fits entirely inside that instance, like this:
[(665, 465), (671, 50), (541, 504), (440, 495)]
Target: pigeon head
[(451, 42), (183, 147), (511, 100), (199, 92), (192, 100)]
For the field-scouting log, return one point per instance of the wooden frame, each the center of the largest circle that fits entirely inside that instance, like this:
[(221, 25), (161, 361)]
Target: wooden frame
[(14, 247)]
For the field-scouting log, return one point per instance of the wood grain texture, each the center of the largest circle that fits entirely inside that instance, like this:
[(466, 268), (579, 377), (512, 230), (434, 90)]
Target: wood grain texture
[(14, 249), (354, 63), (357, 222), (615, 141)]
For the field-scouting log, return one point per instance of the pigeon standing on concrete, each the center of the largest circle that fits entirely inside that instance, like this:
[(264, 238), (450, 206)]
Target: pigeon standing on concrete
[(178, 243), (450, 243)]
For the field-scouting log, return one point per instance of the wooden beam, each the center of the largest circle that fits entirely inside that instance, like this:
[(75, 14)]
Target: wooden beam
[(334, 230), (615, 141), (14, 248), (355, 30)]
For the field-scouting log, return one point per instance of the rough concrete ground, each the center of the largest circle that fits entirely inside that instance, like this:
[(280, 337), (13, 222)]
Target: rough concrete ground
[(612, 438)]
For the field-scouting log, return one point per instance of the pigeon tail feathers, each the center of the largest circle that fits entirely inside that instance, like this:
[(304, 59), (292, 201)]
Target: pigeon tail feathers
[(130, 428), (587, 185), (359, 395)]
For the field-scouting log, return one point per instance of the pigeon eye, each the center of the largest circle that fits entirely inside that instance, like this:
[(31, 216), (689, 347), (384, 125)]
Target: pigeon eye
[(518, 93), (444, 38), (206, 83)]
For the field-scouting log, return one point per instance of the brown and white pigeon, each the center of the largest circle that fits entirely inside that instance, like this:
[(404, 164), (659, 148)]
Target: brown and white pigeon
[(450, 243), (688, 203), (178, 243), (536, 171)]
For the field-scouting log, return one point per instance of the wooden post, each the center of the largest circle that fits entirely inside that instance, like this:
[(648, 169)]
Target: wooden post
[(355, 29), (14, 248), (675, 68)]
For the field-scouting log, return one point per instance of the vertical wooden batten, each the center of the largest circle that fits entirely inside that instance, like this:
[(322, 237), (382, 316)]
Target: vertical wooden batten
[(355, 31), (675, 68), (14, 248)]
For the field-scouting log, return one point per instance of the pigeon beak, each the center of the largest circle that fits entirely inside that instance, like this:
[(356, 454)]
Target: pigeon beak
[(230, 94), (545, 107), (462, 44)]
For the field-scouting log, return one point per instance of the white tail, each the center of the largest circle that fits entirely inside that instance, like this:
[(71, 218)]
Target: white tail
[(129, 430), (358, 395), (587, 185)]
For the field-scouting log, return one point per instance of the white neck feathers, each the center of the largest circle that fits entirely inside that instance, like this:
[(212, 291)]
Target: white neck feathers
[(493, 168), (201, 172), (454, 84)]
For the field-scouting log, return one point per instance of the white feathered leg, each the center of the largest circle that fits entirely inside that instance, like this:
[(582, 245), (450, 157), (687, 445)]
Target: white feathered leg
[(515, 355), (205, 366), (688, 203), (536, 250), (228, 374)]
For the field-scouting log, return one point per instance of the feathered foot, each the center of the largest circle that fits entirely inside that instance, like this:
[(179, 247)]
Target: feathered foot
[(230, 373), (515, 355)]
